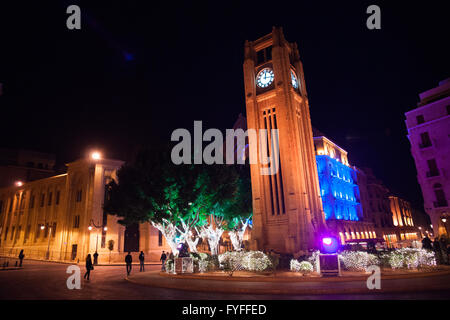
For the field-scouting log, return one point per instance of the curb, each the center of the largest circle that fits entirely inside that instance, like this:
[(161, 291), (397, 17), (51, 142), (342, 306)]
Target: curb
[(172, 284), (308, 279)]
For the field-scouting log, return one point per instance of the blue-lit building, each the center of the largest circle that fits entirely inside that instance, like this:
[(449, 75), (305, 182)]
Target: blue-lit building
[(341, 198)]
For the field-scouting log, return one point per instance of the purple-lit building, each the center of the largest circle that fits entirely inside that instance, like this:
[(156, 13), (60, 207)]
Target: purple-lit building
[(428, 132)]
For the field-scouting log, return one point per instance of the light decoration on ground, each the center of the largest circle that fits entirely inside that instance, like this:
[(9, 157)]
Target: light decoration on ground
[(304, 266), (410, 258), (314, 260), (245, 260), (338, 189), (357, 260)]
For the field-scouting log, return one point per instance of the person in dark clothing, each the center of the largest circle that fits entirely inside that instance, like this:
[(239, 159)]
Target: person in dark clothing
[(128, 261), (21, 256), (437, 249), (89, 267), (95, 258), (141, 261), (163, 261), (426, 243)]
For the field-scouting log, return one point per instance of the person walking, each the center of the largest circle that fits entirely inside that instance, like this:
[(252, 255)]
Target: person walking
[(426, 243), (89, 267), (21, 256), (163, 261), (437, 250), (95, 258), (141, 261), (128, 261)]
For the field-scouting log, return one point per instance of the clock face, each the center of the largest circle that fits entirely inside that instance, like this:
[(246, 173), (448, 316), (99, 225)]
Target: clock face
[(294, 80), (264, 78)]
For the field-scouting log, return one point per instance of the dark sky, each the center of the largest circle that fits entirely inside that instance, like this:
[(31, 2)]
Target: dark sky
[(139, 69)]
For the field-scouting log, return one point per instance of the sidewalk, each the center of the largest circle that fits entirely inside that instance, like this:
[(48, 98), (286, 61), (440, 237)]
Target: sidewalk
[(289, 285)]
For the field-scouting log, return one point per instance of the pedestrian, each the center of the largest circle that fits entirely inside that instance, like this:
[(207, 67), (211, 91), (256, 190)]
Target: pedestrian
[(141, 261), (89, 267), (128, 261), (426, 243), (95, 258), (437, 250), (21, 256), (163, 261)]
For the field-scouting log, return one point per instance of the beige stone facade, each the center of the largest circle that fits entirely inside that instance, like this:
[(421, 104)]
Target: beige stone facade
[(61, 218), (287, 209)]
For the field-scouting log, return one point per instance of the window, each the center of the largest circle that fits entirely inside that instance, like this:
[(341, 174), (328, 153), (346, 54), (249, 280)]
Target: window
[(78, 196), (38, 231), (11, 205), (46, 230), (6, 233), (264, 55), (420, 119), (12, 233), (160, 239), (27, 233), (425, 140), (32, 201), (54, 230), (441, 201), (49, 200), (433, 169), (1, 206), (42, 199), (58, 194), (76, 222)]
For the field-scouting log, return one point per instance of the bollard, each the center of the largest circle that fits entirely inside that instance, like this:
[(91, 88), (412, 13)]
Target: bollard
[(7, 263), (16, 264)]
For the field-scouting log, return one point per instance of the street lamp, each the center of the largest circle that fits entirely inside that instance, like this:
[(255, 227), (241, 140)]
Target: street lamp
[(18, 183), (444, 220), (92, 224), (47, 254), (96, 155)]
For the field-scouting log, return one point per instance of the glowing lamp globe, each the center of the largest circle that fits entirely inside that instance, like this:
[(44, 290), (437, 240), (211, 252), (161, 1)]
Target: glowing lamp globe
[(96, 155), (329, 245)]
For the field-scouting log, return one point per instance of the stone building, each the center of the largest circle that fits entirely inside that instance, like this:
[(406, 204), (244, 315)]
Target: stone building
[(428, 128), (287, 209), (340, 192), (19, 166), (61, 218)]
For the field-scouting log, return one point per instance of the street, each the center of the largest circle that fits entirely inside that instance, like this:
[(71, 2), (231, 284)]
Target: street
[(44, 280)]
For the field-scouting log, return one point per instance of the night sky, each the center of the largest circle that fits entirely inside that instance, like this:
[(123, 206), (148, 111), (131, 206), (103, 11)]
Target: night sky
[(136, 72)]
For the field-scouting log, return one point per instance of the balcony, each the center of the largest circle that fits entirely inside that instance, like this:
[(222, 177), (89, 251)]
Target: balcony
[(440, 203), (425, 145), (432, 174)]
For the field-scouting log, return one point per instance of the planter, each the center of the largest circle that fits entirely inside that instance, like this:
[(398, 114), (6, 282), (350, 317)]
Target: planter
[(184, 265)]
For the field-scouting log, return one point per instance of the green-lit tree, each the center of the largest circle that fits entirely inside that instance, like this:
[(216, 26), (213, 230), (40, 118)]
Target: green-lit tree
[(176, 199)]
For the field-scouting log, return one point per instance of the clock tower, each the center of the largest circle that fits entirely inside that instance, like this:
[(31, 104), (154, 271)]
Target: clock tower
[(287, 207)]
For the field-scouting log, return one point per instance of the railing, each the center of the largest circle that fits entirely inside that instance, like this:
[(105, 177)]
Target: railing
[(440, 203), (432, 174)]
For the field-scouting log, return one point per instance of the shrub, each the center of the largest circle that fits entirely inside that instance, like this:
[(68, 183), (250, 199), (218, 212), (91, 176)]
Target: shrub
[(304, 267), (170, 266), (410, 258), (314, 260), (357, 260), (245, 260)]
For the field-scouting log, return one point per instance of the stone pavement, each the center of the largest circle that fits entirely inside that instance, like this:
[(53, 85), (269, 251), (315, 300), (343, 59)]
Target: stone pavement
[(288, 283)]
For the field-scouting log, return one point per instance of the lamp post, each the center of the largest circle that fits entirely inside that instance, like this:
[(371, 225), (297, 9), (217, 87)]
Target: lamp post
[(47, 254), (420, 229), (444, 222), (92, 224)]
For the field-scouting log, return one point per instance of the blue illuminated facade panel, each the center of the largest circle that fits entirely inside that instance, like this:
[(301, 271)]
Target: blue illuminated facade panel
[(338, 188)]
